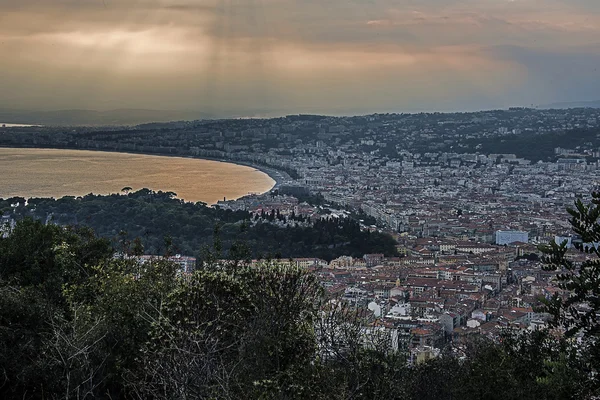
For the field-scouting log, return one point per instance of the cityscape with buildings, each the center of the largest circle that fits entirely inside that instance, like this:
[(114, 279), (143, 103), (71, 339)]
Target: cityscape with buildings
[(468, 222), (281, 200)]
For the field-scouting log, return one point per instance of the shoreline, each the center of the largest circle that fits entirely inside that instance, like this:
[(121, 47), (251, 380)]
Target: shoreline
[(276, 175)]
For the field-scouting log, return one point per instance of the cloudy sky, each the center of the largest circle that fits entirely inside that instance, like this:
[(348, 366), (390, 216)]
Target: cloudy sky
[(329, 56)]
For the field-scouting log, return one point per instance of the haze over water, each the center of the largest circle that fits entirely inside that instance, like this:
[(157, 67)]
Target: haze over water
[(7, 125), (58, 173)]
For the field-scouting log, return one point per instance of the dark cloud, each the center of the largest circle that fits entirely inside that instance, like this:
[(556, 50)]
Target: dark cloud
[(569, 75), (341, 54)]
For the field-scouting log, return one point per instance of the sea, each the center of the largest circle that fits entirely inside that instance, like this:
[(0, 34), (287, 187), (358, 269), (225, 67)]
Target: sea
[(57, 173)]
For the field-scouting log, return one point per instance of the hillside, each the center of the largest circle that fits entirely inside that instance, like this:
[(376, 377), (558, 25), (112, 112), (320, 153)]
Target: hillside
[(154, 216)]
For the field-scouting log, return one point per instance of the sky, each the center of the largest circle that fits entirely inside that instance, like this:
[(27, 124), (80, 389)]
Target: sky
[(248, 57)]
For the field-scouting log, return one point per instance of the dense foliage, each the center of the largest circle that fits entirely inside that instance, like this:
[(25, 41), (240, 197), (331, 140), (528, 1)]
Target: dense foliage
[(531, 146), (577, 309), (78, 323), (152, 216)]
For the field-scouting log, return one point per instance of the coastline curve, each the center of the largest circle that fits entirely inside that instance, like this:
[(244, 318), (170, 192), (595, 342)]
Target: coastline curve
[(56, 172)]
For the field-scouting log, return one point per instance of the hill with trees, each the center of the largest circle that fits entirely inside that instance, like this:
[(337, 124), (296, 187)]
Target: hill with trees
[(532, 146), (76, 322), (189, 227)]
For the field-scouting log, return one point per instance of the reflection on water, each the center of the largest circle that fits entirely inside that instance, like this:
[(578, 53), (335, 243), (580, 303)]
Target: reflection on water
[(57, 173)]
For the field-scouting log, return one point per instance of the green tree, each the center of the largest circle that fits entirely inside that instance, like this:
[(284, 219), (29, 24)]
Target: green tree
[(36, 262), (576, 308), (231, 333)]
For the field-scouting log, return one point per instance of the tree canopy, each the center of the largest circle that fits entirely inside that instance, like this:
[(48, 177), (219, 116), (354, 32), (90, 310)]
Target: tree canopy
[(78, 321), (152, 216)]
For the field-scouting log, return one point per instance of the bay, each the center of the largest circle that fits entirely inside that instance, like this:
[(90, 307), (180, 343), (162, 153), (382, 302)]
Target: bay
[(56, 173)]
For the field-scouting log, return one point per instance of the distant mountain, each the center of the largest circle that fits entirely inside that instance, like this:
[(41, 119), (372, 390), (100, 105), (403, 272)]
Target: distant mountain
[(574, 104), (91, 117)]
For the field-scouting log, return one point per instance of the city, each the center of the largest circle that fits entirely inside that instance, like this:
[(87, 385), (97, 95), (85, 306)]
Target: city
[(282, 199), (468, 223)]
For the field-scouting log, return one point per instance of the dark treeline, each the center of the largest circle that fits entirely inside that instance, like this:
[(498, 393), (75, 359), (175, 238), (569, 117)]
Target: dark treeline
[(153, 216), (532, 146), (77, 323)]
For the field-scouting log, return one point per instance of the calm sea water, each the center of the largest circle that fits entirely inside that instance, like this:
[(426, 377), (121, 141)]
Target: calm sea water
[(57, 173)]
